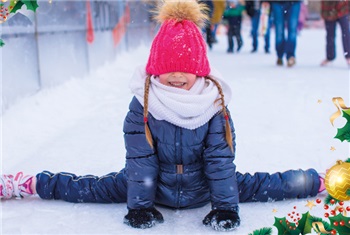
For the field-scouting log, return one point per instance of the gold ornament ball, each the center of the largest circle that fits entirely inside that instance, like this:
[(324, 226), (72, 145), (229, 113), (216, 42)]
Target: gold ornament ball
[(337, 181)]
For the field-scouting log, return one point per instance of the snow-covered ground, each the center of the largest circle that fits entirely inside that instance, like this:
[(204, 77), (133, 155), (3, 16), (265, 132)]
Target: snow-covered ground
[(281, 118)]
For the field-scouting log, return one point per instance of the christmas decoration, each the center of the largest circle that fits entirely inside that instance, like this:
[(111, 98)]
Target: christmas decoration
[(299, 226), (12, 8), (294, 224), (16, 5), (337, 181), (310, 204), (344, 132), (263, 231)]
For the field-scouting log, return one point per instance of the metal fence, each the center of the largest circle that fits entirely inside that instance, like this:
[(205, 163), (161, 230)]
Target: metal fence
[(66, 39)]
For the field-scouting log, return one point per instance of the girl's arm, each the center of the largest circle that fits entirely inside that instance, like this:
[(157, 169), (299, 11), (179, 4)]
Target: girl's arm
[(219, 167), (141, 161)]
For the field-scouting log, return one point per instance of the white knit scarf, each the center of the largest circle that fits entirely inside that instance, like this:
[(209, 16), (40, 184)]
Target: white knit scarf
[(189, 109)]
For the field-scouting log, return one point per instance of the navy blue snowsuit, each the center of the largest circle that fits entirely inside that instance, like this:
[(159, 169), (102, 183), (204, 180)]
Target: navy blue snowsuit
[(185, 169)]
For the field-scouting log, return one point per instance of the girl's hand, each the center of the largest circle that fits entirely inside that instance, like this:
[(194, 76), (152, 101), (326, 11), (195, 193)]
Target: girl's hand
[(222, 220), (143, 218)]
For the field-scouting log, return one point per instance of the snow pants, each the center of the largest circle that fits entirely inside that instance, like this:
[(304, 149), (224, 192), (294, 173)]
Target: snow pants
[(112, 188)]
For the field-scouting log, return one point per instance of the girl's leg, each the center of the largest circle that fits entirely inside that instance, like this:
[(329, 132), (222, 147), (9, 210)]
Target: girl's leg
[(264, 187), (69, 187)]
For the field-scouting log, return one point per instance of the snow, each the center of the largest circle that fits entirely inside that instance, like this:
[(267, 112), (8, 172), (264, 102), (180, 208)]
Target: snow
[(281, 118)]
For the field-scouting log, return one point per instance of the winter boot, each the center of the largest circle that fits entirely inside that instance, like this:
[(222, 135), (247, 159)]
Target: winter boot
[(18, 186), (6, 186)]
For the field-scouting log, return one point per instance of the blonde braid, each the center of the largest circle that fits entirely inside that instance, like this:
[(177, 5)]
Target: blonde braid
[(145, 112), (228, 134)]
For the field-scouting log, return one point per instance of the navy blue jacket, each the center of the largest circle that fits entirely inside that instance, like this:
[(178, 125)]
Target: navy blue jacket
[(203, 153)]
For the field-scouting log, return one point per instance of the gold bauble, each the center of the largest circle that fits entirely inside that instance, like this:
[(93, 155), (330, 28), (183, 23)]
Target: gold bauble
[(337, 181)]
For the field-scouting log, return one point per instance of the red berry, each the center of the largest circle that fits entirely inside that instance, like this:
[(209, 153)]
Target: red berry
[(326, 207), (342, 223), (333, 232), (332, 201), (293, 212), (326, 215), (295, 207), (341, 203), (348, 208), (335, 223), (318, 200), (341, 209), (333, 212)]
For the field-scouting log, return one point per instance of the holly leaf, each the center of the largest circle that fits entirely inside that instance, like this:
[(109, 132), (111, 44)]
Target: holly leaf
[(344, 132), (343, 230), (1, 43), (304, 225), (347, 111), (31, 4), (15, 6), (328, 199), (283, 227), (262, 231)]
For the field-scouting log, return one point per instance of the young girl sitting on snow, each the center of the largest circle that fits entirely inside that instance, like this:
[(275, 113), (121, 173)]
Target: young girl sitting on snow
[(179, 140)]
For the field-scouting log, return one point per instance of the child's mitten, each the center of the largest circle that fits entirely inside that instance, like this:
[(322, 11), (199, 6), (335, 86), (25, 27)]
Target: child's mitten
[(143, 218), (222, 220)]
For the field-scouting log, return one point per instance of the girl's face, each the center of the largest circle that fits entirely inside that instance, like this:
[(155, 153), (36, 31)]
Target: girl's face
[(178, 79)]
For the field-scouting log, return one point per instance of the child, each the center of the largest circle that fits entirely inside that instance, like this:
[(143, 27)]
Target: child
[(179, 139), (233, 14)]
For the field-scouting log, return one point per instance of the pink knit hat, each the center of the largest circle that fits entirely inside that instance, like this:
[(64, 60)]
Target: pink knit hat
[(179, 45)]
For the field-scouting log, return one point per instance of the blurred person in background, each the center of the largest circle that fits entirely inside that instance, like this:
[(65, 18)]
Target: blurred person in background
[(233, 15), (207, 28), (253, 9), (286, 13), (302, 16), (219, 8), (333, 12)]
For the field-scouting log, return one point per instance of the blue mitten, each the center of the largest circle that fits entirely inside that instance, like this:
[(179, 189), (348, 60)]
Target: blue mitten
[(143, 218), (222, 220)]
